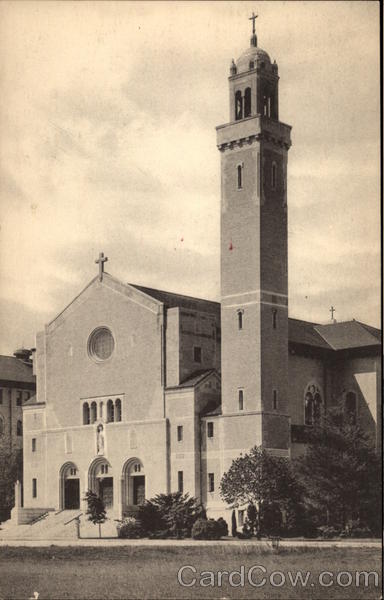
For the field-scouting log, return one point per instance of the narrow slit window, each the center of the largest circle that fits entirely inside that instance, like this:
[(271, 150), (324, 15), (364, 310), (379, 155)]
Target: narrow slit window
[(180, 481), (34, 488), (210, 429), (179, 433), (240, 319), (33, 444), (211, 482), (274, 400), (241, 400), (273, 175), (274, 318), (197, 354), (239, 177)]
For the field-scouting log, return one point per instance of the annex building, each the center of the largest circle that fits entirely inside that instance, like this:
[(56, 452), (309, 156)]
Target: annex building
[(142, 391)]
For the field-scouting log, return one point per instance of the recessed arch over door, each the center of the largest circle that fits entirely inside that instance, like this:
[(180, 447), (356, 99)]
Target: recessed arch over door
[(100, 480), (69, 487), (133, 483)]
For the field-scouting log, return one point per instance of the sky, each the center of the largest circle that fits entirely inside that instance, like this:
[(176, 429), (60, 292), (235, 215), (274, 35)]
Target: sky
[(108, 143)]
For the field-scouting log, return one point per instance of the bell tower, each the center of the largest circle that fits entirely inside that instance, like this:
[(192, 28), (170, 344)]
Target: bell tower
[(254, 281)]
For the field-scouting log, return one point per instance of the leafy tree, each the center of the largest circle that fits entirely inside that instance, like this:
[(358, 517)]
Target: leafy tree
[(96, 509), (340, 472), (259, 478), (11, 470)]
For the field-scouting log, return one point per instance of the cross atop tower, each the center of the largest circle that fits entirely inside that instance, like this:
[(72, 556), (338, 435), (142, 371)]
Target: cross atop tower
[(332, 310), (254, 36), (253, 19), (100, 261)]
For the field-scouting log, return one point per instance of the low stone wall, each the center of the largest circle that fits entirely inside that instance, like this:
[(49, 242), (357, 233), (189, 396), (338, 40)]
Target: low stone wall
[(23, 516)]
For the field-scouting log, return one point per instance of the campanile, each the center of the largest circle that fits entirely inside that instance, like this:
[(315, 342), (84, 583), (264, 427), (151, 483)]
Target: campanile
[(254, 281)]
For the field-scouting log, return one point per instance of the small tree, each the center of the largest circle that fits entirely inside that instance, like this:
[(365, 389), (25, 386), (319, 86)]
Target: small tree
[(96, 509), (234, 524), (261, 479), (11, 470)]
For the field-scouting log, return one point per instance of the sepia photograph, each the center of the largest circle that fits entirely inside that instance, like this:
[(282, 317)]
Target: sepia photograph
[(190, 300)]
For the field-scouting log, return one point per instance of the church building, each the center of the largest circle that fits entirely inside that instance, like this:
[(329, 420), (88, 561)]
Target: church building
[(142, 391)]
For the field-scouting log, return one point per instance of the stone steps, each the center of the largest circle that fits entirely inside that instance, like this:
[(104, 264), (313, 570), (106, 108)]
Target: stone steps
[(58, 526)]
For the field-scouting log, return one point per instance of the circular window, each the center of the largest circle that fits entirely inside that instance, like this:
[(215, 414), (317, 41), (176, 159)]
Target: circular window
[(101, 344)]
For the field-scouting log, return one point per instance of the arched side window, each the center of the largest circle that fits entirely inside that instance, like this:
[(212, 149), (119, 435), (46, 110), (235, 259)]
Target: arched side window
[(19, 428), (351, 407), (110, 412), (86, 414), (93, 412), (308, 408), (240, 177), (247, 102), (1, 426), (313, 405), (118, 410), (238, 106)]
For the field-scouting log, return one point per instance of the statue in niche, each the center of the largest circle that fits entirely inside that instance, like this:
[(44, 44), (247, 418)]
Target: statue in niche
[(100, 439)]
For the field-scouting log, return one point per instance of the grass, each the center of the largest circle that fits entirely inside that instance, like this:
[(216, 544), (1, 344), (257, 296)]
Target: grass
[(125, 572)]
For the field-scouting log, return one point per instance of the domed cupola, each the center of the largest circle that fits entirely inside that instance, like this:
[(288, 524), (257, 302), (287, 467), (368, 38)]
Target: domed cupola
[(253, 83), (253, 58)]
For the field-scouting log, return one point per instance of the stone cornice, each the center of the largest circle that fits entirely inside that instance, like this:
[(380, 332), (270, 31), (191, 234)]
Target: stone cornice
[(264, 136)]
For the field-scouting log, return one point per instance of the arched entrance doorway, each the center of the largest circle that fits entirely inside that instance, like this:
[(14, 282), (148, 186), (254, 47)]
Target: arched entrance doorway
[(133, 484), (69, 487), (100, 480)]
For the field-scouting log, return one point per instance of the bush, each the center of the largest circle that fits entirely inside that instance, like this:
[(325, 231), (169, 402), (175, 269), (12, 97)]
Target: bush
[(223, 526), (207, 530), (327, 532), (357, 529), (174, 512), (130, 528), (160, 535)]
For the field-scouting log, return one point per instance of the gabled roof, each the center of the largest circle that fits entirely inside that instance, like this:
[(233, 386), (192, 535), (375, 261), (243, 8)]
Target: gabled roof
[(333, 336), (304, 332), (194, 379), (14, 369), (348, 334), (170, 300)]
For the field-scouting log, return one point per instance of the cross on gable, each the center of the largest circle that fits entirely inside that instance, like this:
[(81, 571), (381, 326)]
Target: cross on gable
[(100, 261), (332, 311)]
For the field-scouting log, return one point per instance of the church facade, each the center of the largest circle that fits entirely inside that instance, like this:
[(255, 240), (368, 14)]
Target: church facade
[(142, 391)]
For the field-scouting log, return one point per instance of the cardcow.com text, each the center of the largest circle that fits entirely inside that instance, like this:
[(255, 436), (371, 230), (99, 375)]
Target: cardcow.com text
[(258, 576)]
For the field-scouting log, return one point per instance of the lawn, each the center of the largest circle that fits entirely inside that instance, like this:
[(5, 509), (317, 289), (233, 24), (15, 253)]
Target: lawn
[(150, 572)]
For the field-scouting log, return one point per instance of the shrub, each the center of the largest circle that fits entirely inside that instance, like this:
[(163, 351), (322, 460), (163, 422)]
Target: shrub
[(223, 526), (207, 530), (174, 512), (327, 532), (130, 528)]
